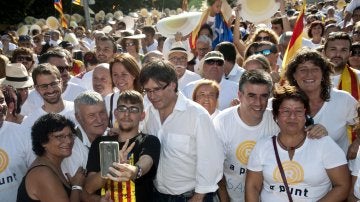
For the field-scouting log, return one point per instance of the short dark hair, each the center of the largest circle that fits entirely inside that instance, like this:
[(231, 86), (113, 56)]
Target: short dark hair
[(228, 50), (282, 93), (159, 71), (53, 53), (149, 29), (109, 38), (255, 77), (337, 36), (45, 125), (132, 97), (46, 69), (277, 21), (306, 54)]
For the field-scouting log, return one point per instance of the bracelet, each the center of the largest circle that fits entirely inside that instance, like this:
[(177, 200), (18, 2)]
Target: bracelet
[(139, 172), (76, 187)]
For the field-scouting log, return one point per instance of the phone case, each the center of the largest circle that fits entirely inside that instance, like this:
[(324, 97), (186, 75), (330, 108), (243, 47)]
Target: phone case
[(109, 153)]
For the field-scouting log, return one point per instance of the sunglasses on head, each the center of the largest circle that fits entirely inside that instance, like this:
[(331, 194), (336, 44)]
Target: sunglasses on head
[(265, 52), (63, 68), (217, 62), (23, 58)]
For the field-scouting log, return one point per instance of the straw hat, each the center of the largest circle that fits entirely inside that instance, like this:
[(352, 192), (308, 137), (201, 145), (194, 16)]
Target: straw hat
[(23, 30), (184, 22), (35, 26), (17, 76), (52, 22), (144, 13), (118, 15), (259, 10)]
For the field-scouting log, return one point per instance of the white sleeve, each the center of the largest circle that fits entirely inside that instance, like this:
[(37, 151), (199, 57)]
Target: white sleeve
[(209, 168), (255, 160), (352, 5), (218, 123), (333, 157)]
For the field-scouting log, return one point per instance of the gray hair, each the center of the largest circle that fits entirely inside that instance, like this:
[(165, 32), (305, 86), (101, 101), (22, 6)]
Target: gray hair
[(103, 65), (286, 36), (255, 77), (87, 98), (204, 39)]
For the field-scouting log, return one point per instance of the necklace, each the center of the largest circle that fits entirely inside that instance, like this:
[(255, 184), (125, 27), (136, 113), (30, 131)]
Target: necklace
[(287, 148)]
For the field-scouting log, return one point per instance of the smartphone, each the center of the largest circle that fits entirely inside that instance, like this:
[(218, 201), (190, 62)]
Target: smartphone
[(109, 153)]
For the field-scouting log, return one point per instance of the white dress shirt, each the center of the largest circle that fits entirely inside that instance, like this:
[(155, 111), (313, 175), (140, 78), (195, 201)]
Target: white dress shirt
[(191, 157), (235, 73)]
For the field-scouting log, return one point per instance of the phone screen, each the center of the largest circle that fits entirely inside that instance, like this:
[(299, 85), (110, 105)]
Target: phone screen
[(109, 153)]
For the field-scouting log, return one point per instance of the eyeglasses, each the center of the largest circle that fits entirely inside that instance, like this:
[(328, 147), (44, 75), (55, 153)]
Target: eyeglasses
[(355, 52), (130, 44), (24, 58), (262, 38), (265, 52), (155, 90), (63, 68), (178, 59), (62, 138), (46, 86), (131, 109), (217, 62), (288, 112)]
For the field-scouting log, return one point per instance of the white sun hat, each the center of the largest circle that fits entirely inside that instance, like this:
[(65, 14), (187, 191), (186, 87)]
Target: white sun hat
[(258, 10), (16, 76), (184, 22)]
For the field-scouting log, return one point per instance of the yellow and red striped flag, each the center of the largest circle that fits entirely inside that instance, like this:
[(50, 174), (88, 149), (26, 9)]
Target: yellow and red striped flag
[(295, 42), (59, 8), (77, 2)]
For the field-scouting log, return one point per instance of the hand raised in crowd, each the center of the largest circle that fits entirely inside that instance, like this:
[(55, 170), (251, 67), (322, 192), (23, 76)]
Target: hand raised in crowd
[(122, 172), (124, 152)]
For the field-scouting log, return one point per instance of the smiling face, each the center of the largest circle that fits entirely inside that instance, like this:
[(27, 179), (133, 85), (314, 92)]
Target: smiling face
[(207, 96), (122, 79), (49, 88), (60, 143), (129, 121), (253, 99), (308, 76), (104, 51), (102, 81), (93, 119)]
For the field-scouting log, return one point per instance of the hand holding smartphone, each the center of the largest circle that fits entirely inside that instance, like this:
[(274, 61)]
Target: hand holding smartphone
[(109, 153)]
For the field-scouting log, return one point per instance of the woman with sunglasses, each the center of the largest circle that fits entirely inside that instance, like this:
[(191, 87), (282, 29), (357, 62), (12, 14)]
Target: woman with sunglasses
[(24, 56), (132, 46)]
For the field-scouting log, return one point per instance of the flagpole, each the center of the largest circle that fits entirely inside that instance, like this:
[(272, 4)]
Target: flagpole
[(87, 14)]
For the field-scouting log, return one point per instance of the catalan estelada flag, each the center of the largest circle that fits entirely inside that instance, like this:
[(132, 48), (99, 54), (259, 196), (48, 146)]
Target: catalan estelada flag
[(59, 8), (295, 42)]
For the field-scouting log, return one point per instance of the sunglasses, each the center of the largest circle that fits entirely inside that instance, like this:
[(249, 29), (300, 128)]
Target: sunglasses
[(265, 52), (217, 62), (262, 38), (355, 52), (24, 58), (63, 68)]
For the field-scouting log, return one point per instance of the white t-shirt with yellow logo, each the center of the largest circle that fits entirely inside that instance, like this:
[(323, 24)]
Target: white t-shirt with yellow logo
[(305, 173), (238, 140)]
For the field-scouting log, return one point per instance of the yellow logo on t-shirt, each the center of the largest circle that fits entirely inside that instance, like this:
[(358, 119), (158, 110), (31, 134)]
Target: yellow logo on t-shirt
[(243, 151), (4, 160), (293, 171)]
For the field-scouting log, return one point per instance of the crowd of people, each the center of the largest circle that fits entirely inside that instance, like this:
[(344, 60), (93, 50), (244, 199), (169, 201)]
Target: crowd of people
[(217, 121)]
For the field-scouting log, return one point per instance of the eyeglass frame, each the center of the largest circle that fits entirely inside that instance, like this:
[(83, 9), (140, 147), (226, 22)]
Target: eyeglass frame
[(213, 61), (130, 109), (46, 85), (62, 138), (62, 68), (155, 90)]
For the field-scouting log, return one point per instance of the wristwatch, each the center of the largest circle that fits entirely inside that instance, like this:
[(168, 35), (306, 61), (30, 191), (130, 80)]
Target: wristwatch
[(139, 171)]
